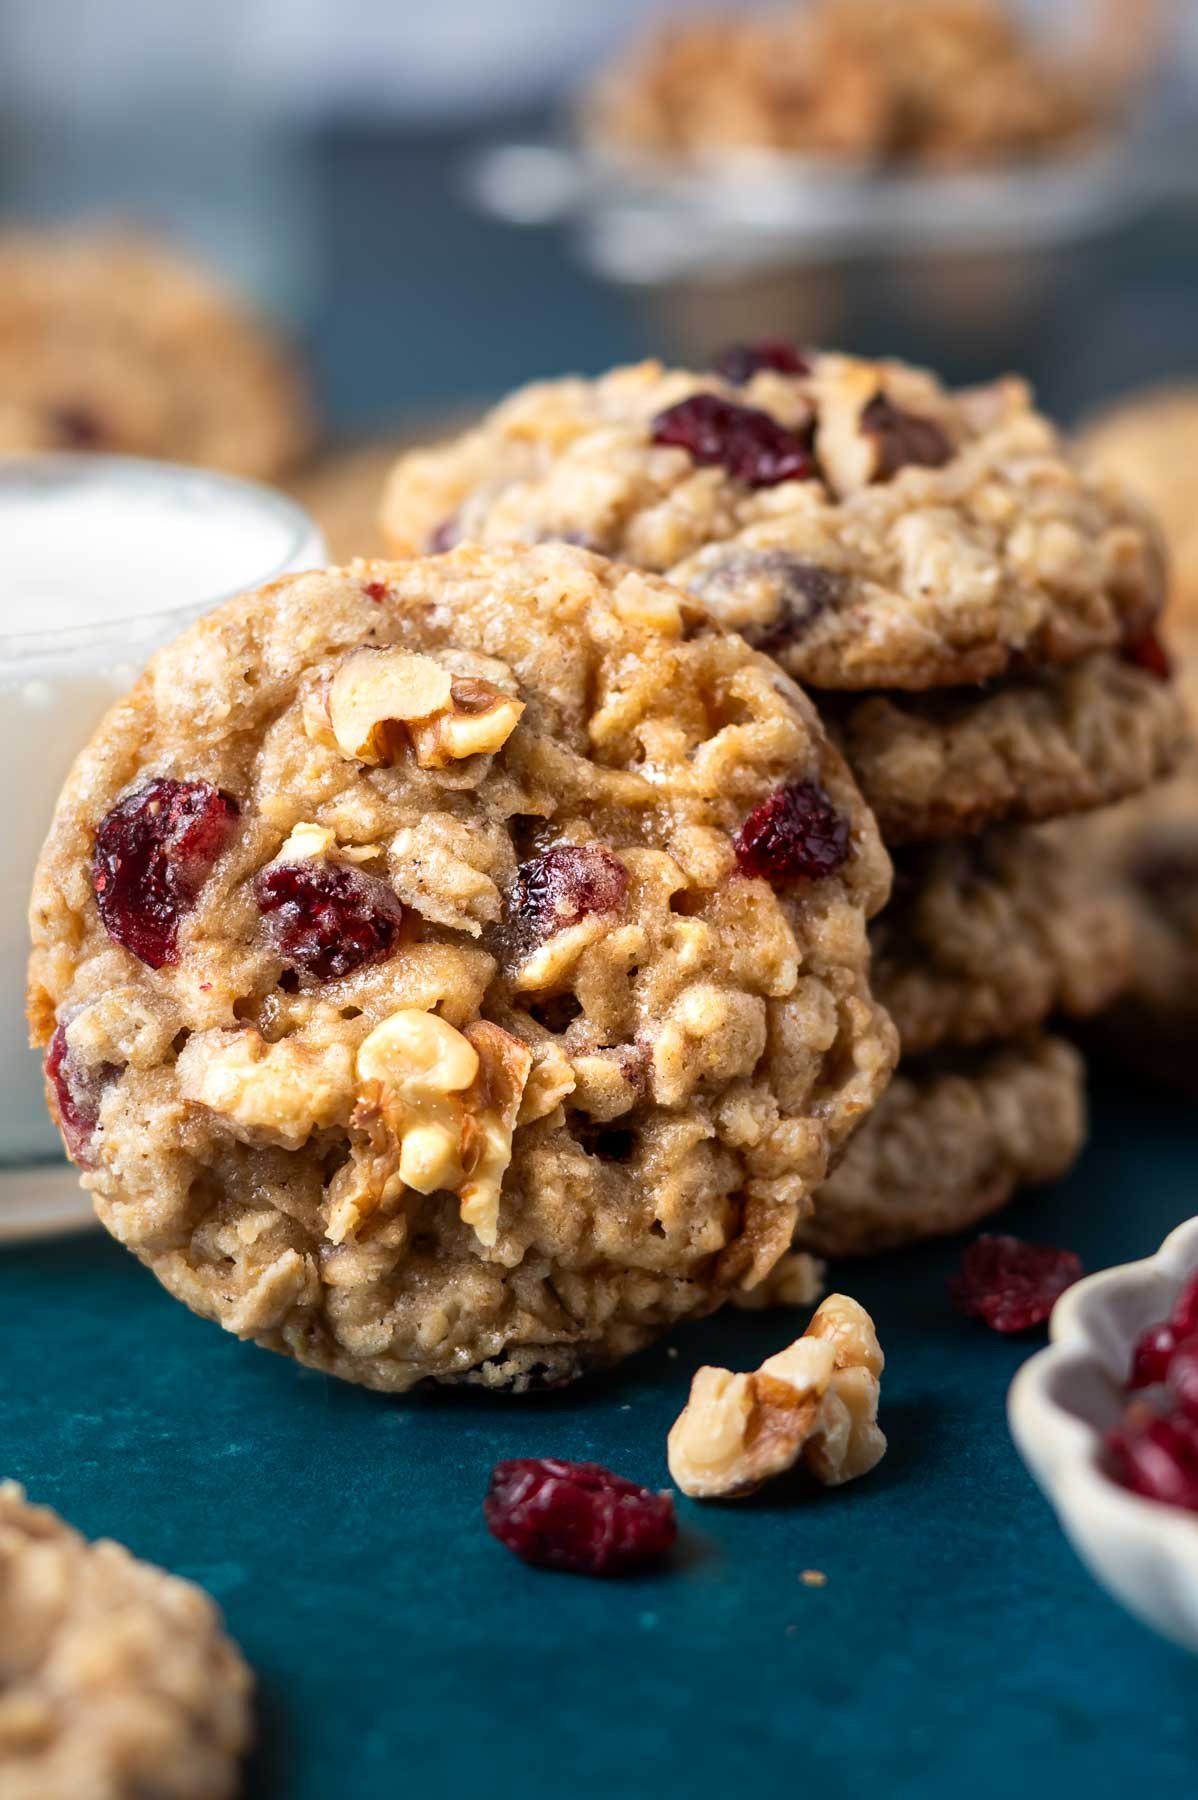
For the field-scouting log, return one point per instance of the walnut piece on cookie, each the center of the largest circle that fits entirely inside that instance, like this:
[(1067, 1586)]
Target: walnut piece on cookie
[(116, 1679), (816, 1401), (862, 523), (482, 1057)]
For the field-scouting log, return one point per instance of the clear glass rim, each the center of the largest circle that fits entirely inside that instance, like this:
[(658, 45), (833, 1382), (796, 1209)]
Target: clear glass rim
[(53, 467)]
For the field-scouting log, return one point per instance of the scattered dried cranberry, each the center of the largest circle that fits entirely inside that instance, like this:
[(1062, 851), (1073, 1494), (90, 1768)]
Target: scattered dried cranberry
[(902, 438), (77, 1090), (740, 362), (577, 1516), (752, 447), (559, 888), (153, 853), (326, 918), (1149, 653), (795, 833), (376, 591), (1157, 1455), (1011, 1284)]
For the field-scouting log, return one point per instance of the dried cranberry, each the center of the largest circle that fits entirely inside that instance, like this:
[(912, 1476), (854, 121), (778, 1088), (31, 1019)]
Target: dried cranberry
[(798, 590), (752, 447), (1157, 1456), (1182, 1377), (795, 833), (577, 1516), (1184, 1317), (902, 438), (561, 887), (1011, 1284), (77, 1090), (153, 853), (444, 536), (1150, 1358), (326, 918), (376, 591), (1148, 653), (740, 362), (77, 428)]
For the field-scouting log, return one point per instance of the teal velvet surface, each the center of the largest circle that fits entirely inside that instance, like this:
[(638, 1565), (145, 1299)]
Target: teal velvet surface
[(958, 1646)]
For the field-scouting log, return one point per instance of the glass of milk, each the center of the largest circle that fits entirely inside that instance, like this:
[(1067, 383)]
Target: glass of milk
[(102, 559)]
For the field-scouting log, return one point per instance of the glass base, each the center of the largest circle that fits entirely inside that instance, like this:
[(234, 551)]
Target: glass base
[(42, 1202)]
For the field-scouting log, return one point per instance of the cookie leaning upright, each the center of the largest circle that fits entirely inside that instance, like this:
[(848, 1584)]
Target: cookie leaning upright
[(458, 968), (973, 613), (116, 1679), (113, 341)]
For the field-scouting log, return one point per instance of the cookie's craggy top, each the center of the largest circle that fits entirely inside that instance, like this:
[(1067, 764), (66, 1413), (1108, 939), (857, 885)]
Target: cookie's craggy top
[(314, 1158), (948, 1143), (941, 538), (113, 342), (988, 937), (945, 765), (116, 1679)]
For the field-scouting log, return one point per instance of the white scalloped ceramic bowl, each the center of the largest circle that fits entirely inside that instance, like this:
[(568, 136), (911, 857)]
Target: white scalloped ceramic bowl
[(1065, 1398)]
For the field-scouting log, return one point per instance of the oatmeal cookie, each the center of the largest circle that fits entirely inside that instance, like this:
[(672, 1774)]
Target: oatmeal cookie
[(988, 937), (1150, 443), (862, 523), (458, 969), (940, 83), (114, 342), (946, 764), (949, 1143), (117, 1681)]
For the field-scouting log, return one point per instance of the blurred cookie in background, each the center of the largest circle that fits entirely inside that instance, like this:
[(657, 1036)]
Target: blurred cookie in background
[(940, 83), (1146, 851), (113, 341)]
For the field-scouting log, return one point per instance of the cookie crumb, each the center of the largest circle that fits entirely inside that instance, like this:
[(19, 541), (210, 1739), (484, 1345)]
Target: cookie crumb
[(813, 1578)]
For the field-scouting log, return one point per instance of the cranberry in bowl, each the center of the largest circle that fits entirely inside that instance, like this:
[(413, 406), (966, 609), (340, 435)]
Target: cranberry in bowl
[(1072, 1411)]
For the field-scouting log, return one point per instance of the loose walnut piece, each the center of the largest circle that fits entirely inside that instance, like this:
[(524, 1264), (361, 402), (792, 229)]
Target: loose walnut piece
[(442, 1105), (817, 1400), (380, 700)]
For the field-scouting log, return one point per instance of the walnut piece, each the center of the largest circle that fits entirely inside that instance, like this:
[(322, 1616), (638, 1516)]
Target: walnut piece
[(379, 701), (438, 1107), (816, 1401), (272, 1093)]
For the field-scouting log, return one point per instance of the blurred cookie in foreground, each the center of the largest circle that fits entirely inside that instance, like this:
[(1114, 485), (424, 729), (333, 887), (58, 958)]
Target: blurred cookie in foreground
[(114, 341), (116, 1679), (948, 83)]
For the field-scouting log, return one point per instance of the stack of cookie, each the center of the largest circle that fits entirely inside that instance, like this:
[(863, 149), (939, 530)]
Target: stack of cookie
[(975, 618)]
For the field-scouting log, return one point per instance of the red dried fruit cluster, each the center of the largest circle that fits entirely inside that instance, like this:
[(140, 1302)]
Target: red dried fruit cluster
[(747, 442), (561, 887), (153, 853), (77, 1090), (1010, 1284), (794, 834), (1154, 1449), (740, 362), (577, 1516), (325, 918)]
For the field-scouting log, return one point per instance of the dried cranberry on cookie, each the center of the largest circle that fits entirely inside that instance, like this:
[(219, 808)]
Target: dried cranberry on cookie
[(459, 968)]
